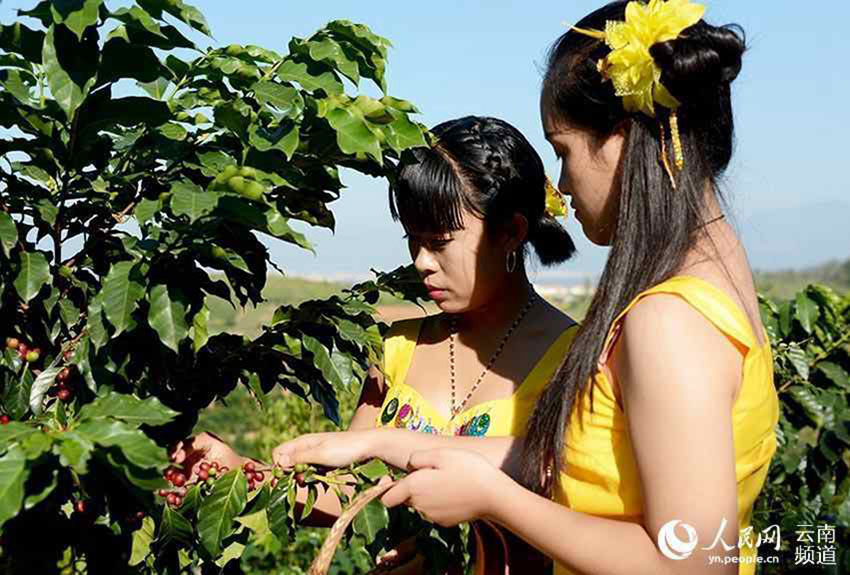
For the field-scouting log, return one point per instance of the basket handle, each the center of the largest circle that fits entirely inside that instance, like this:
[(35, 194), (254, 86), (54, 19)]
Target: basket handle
[(322, 561), (491, 565)]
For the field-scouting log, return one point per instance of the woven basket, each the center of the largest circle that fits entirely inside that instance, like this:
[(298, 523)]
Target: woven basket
[(492, 562)]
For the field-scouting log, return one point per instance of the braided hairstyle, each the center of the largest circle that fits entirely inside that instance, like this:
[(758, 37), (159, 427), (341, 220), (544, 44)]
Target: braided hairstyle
[(487, 167)]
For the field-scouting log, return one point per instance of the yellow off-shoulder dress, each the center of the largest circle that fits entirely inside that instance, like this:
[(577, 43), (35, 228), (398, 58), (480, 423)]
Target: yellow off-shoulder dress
[(404, 406), (601, 477)]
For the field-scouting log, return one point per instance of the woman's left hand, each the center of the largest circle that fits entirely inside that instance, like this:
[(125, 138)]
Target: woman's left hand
[(448, 486)]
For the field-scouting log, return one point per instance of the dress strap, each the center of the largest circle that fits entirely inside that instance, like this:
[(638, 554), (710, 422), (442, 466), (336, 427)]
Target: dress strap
[(542, 372), (712, 302), (399, 345)]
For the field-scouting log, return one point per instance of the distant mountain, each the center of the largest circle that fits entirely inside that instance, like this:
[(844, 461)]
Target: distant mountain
[(797, 237)]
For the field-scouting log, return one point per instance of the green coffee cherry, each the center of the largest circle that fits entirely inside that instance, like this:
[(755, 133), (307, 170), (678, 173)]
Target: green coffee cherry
[(248, 172), (237, 184), (219, 252), (253, 190), (300, 467)]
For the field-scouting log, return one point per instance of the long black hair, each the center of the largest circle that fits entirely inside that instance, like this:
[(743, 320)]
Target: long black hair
[(487, 167), (656, 224)]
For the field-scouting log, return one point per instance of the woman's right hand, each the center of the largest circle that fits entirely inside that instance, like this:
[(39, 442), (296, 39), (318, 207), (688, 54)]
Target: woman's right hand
[(331, 449), (188, 453)]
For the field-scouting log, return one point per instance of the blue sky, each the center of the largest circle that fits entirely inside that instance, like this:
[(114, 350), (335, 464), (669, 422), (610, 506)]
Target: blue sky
[(474, 57)]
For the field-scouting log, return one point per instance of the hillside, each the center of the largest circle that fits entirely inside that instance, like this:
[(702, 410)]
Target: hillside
[(783, 284)]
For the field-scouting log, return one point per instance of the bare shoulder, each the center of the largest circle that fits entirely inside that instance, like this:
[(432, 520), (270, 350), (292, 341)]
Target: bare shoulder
[(664, 338)]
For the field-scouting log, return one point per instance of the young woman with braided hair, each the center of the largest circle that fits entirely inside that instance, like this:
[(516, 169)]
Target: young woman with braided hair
[(648, 448), (472, 207)]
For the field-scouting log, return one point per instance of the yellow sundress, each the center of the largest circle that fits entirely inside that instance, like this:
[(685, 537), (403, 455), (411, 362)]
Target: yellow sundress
[(404, 406), (601, 477)]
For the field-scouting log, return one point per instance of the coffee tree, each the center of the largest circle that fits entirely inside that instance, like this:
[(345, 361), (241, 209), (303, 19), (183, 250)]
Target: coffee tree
[(138, 173), (809, 478)]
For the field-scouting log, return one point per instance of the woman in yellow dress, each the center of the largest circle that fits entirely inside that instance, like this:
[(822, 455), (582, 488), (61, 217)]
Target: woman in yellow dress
[(472, 207), (648, 448)]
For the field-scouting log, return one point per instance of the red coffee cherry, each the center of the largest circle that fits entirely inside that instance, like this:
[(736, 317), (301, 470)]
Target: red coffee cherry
[(203, 474), (64, 394), (248, 467), (178, 479), (4, 419), (259, 477), (301, 479), (80, 506), (171, 498)]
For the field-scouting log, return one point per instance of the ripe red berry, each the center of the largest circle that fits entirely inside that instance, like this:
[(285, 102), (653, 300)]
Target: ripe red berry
[(178, 479), (301, 479), (64, 394), (248, 467), (12, 342), (171, 498), (251, 485), (163, 492), (274, 482), (80, 506), (23, 348), (178, 501), (63, 375), (204, 466), (259, 477), (203, 474), (170, 472), (140, 515), (4, 419)]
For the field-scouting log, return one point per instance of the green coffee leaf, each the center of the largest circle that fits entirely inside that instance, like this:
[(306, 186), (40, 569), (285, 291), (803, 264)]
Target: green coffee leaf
[(168, 316), (8, 233), (190, 200), (806, 311), (220, 508), (76, 15), (142, 539), (128, 408), (13, 474), (33, 275), (135, 445), (371, 519), (69, 86)]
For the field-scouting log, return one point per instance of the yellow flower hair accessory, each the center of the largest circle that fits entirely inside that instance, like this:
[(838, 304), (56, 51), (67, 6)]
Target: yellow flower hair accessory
[(630, 67), (555, 203)]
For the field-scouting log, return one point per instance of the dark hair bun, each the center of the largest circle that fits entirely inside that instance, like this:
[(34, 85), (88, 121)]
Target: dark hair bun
[(701, 59), (552, 242)]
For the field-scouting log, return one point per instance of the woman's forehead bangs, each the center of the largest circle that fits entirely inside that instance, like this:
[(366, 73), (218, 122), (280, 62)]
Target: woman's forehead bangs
[(428, 196)]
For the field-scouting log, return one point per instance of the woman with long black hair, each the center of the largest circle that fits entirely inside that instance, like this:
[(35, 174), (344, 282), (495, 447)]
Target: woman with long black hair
[(648, 448)]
